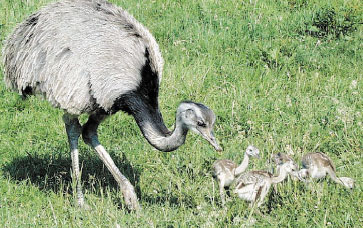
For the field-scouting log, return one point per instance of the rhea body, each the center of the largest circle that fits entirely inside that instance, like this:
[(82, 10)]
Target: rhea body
[(317, 165), (253, 186), (225, 171), (93, 57)]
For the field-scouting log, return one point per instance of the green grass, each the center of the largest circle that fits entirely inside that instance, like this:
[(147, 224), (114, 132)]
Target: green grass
[(278, 74)]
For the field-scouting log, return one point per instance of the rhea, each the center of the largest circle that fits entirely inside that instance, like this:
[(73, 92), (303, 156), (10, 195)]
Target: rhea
[(279, 159), (94, 57), (318, 165), (253, 186), (225, 171)]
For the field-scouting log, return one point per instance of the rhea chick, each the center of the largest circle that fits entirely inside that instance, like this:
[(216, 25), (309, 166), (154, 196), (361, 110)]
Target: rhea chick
[(253, 186), (279, 159), (225, 171), (317, 165)]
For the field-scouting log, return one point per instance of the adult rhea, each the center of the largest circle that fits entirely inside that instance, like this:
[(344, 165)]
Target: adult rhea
[(93, 57)]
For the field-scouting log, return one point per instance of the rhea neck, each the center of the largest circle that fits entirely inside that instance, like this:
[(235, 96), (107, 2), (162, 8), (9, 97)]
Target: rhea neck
[(243, 166), (161, 140), (151, 124), (282, 175)]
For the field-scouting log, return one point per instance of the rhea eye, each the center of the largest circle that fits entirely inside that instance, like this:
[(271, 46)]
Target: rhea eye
[(201, 124)]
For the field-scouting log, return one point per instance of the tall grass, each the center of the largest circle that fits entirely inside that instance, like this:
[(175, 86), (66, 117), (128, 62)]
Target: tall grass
[(282, 75)]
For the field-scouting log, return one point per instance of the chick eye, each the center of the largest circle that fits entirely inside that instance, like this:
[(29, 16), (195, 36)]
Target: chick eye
[(201, 123)]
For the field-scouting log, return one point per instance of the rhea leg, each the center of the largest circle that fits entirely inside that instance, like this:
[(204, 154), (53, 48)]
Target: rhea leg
[(221, 191), (89, 134), (345, 181), (74, 130), (265, 189)]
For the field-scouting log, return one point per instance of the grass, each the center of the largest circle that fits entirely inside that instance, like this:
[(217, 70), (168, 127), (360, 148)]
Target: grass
[(282, 75)]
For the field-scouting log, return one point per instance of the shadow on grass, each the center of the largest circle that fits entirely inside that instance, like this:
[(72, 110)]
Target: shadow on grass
[(52, 172), (170, 199)]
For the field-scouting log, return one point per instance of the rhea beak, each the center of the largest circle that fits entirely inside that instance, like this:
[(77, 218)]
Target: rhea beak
[(295, 168), (209, 136)]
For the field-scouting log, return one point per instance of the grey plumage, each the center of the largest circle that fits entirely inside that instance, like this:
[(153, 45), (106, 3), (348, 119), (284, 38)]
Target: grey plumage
[(89, 56), (75, 53)]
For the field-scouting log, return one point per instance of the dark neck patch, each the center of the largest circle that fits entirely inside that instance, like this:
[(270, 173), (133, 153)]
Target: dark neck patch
[(147, 91), (32, 20), (142, 103), (149, 86), (27, 91)]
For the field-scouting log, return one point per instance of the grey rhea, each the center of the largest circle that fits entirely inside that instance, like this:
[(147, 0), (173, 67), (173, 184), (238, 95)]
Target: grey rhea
[(253, 186), (225, 171), (90, 56), (279, 159), (317, 165)]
